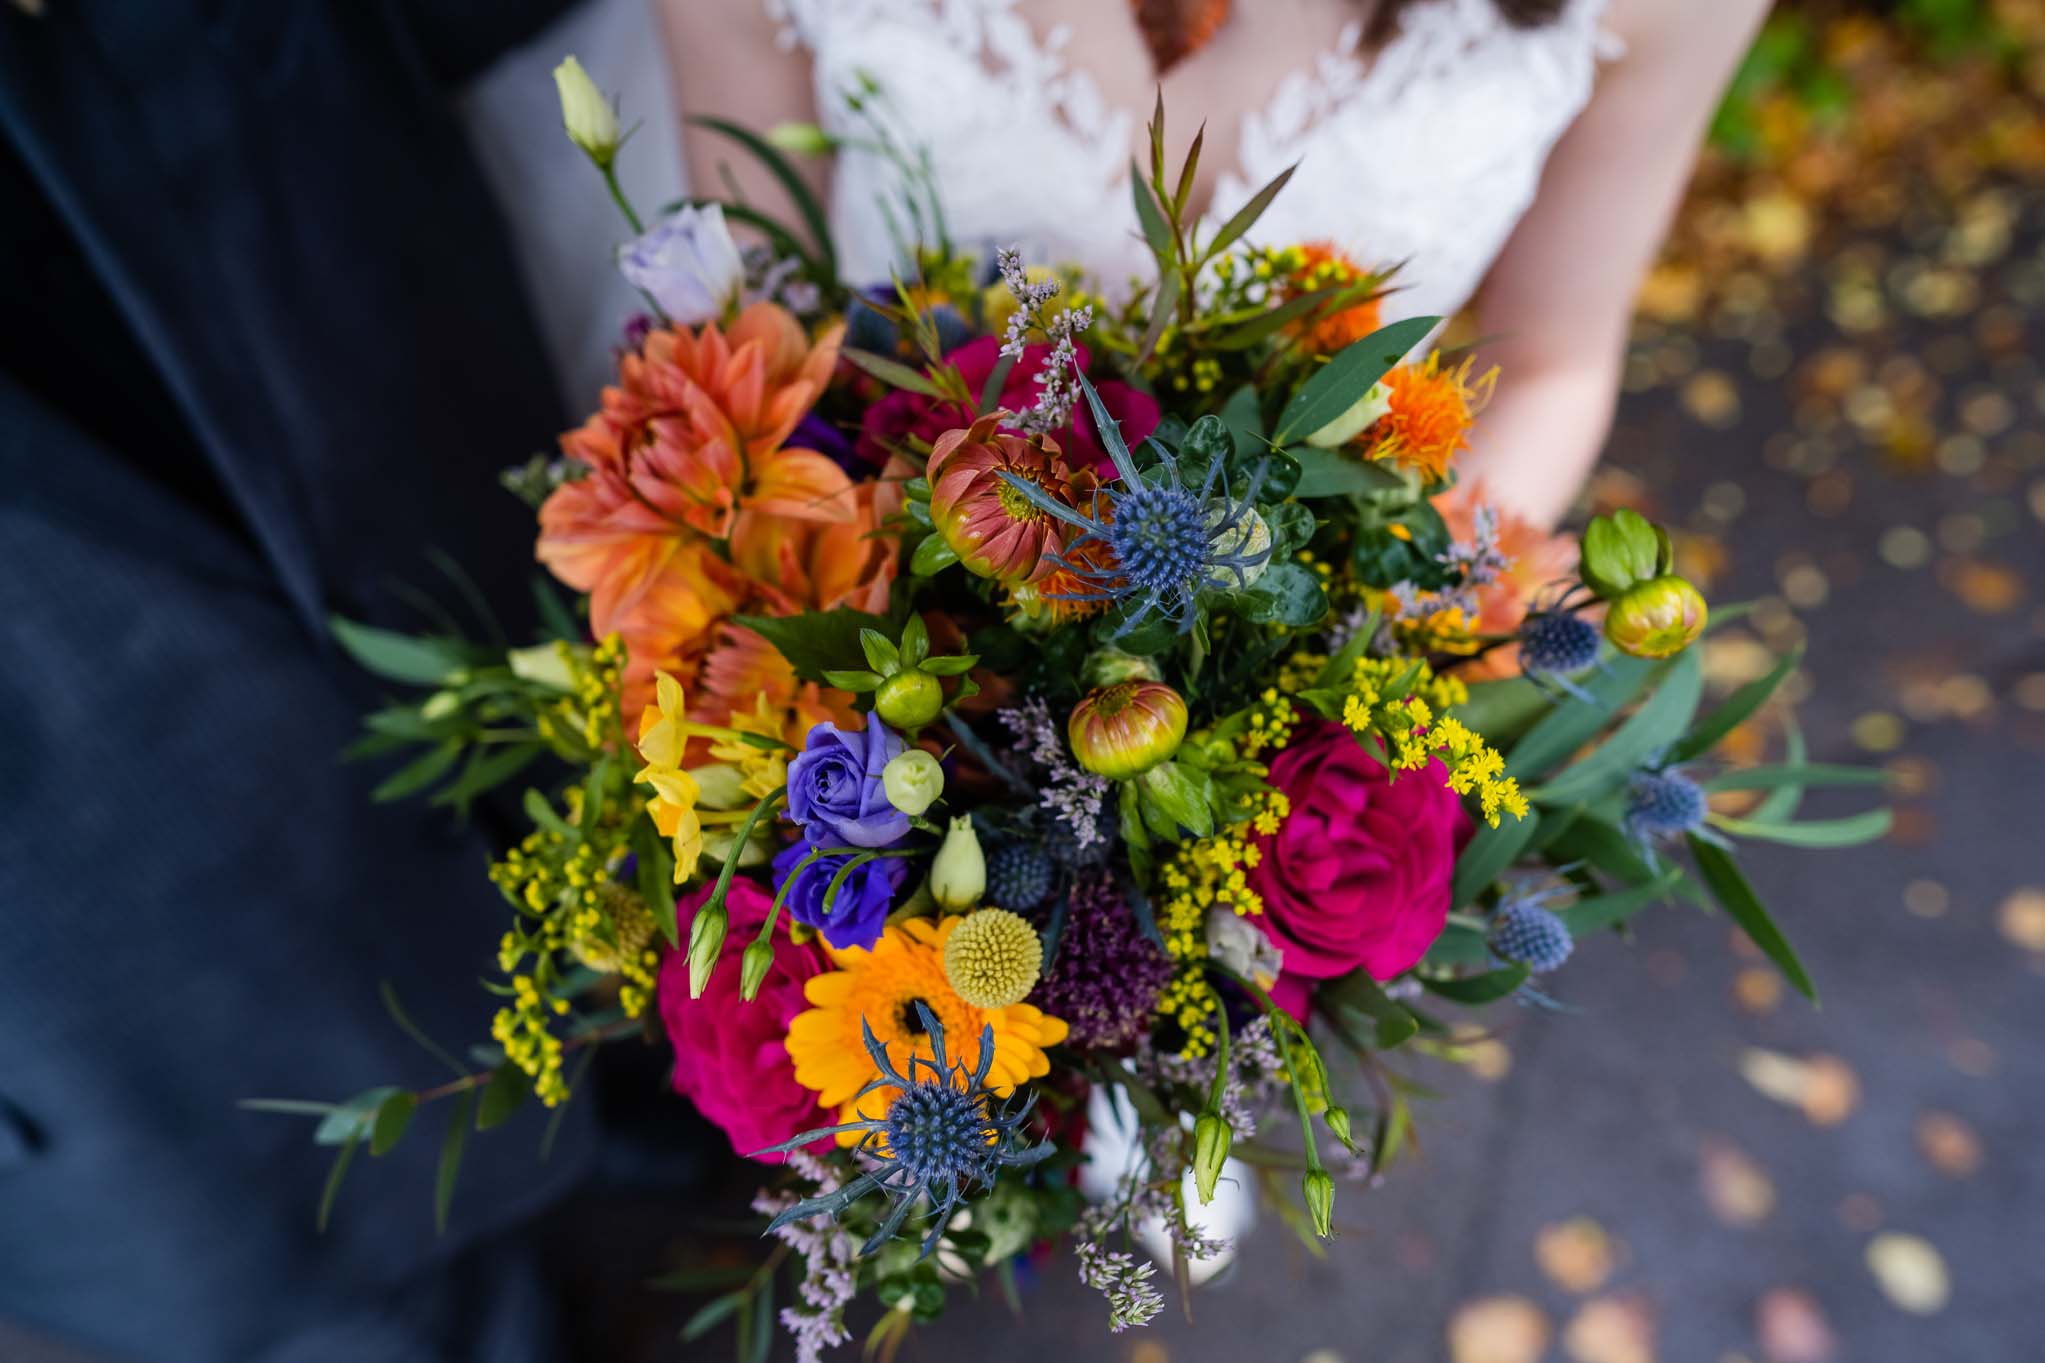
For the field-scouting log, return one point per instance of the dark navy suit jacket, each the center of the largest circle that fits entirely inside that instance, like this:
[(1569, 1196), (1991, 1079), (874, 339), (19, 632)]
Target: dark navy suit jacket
[(263, 346)]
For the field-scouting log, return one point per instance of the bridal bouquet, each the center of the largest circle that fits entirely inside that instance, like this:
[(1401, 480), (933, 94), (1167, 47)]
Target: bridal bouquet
[(983, 694)]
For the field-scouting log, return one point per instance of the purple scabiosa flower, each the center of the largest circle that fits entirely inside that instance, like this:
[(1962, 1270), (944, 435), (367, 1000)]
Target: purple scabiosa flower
[(835, 790), (1106, 975), (853, 917)]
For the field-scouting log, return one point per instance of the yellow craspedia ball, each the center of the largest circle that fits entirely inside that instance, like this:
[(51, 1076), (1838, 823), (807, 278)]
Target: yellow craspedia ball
[(992, 958)]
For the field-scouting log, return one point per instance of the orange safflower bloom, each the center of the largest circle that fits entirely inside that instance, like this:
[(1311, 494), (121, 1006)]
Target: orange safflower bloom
[(1323, 265), (1432, 411), (690, 435), (1540, 559)]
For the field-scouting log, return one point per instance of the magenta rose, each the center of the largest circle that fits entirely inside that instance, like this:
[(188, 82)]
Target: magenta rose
[(729, 1057), (900, 416), (1358, 873)]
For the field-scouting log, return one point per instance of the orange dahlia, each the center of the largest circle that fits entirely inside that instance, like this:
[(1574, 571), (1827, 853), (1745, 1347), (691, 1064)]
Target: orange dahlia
[(743, 675), (880, 988), (1432, 411), (691, 434), (803, 565), (1540, 559)]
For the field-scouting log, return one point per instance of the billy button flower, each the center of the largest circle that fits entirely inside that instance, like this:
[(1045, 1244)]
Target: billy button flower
[(904, 678), (979, 507), (1652, 612)]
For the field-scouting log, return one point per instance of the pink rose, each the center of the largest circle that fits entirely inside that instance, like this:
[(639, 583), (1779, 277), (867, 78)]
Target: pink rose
[(1358, 873), (729, 1057), (891, 422)]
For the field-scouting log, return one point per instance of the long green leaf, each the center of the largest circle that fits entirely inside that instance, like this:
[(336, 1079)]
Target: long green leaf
[(1802, 774), (1851, 831), (419, 773), (1729, 886), (1160, 314), (892, 372), (1489, 987), (782, 170), (1734, 710), (1600, 912), (1339, 383), (1572, 723), (338, 1172), (397, 657), (1659, 719), (1331, 473), (393, 1120), (351, 1120), (1488, 854), (451, 1147), (712, 1314), (503, 1093), (1781, 803), (485, 771), (1157, 232), (1246, 217)]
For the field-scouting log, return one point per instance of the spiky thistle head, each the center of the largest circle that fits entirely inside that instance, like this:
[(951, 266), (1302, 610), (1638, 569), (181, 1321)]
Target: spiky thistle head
[(1527, 932), (1663, 804), (943, 1136), (1164, 542), (1557, 643)]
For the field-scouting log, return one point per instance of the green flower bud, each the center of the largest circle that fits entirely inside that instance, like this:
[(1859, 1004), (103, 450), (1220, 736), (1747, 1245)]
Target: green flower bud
[(1657, 618), (1124, 730), (1106, 666), (1361, 416), (543, 665), (591, 122), (1337, 1119), (910, 699), (753, 968), (706, 940), (1211, 1138), (804, 139), (440, 705), (958, 875), (912, 781), (1319, 1190)]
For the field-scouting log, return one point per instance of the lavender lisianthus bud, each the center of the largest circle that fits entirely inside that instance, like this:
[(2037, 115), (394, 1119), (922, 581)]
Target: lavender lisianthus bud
[(688, 263)]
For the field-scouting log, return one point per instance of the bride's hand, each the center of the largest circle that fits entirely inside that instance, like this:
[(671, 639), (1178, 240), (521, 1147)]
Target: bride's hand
[(1560, 298)]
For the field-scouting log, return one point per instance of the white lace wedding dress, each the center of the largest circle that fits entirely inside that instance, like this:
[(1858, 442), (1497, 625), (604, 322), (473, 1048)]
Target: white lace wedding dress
[(1426, 151)]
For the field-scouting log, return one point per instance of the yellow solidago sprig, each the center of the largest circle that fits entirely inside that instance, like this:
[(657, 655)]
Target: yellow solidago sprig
[(1198, 876), (1402, 703)]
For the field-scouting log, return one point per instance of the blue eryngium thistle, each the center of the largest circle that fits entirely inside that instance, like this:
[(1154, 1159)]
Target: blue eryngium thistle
[(1167, 542), (1661, 805), (942, 1137), (1527, 932)]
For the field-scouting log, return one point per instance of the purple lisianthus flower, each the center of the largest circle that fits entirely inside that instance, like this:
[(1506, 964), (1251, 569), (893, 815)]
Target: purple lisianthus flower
[(834, 787), (856, 917), (687, 263)]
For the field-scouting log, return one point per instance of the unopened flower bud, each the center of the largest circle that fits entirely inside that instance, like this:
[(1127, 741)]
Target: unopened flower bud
[(1657, 618), (1338, 1122), (1107, 666), (1124, 730), (706, 941), (804, 139), (543, 665), (958, 875), (1211, 1138), (1361, 416), (1319, 1190), (912, 781), (440, 705), (591, 122), (753, 968), (910, 699)]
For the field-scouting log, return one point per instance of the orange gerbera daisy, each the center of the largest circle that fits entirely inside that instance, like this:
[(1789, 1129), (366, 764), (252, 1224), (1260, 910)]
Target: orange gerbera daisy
[(691, 434), (881, 988), (1321, 265), (1540, 559), (1432, 411)]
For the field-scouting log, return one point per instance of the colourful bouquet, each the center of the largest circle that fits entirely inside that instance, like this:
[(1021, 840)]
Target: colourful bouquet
[(986, 694)]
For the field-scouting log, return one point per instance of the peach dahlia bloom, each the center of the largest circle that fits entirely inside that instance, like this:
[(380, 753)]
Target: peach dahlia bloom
[(690, 436), (1540, 559)]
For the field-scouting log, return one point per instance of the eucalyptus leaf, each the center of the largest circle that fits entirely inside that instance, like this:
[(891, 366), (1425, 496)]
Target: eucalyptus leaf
[(419, 773), (1246, 217), (504, 1092), (893, 373), (1488, 855), (1801, 774), (393, 1120), (450, 1165), (1489, 987), (1602, 912), (398, 657), (1343, 381), (1653, 726), (1573, 723), (1734, 710), (351, 1119), (1722, 875), (1852, 831)]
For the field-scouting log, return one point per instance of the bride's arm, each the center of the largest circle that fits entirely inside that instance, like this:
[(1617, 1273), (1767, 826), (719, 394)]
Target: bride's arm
[(724, 60), (1560, 298)]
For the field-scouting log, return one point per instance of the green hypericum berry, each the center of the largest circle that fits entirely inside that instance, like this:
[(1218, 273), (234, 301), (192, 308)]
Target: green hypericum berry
[(910, 699)]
